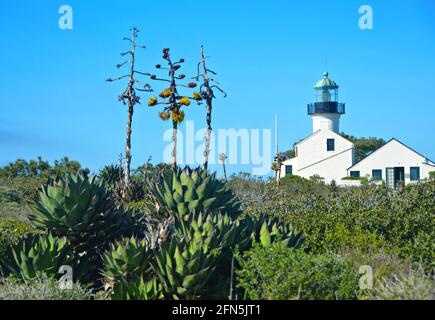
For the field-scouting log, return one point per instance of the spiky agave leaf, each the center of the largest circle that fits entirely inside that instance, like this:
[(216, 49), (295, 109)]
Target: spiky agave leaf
[(201, 243), (110, 175), (266, 231), (180, 192), (126, 264), (79, 208), (126, 259), (38, 254), (137, 289), (183, 268)]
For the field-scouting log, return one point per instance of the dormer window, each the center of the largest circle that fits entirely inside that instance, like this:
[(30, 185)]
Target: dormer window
[(330, 144)]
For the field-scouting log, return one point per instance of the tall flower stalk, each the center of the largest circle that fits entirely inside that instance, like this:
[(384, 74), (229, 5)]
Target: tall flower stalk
[(207, 94), (171, 100), (129, 96)]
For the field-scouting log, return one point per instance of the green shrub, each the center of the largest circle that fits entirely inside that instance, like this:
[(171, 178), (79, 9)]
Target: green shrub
[(351, 178), (11, 231), (338, 238), (42, 288), (282, 273), (421, 249), (25, 189), (390, 218)]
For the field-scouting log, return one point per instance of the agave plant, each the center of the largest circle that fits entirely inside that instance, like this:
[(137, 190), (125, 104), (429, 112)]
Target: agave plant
[(80, 209), (110, 175), (266, 231), (188, 263), (138, 289), (207, 229), (184, 268), (126, 260), (38, 255), (183, 191)]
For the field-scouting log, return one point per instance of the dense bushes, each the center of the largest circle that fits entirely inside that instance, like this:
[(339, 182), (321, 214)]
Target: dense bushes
[(371, 216), (177, 239), (277, 272), (11, 231)]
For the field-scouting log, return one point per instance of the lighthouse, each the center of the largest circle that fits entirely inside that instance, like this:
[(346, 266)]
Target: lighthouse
[(326, 111)]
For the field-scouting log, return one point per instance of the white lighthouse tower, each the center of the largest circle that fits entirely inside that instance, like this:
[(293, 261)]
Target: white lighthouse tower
[(326, 110)]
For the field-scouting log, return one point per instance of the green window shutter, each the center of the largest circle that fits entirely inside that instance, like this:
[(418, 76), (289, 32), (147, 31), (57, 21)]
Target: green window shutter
[(377, 174), (330, 144), (288, 170), (415, 173), (355, 174)]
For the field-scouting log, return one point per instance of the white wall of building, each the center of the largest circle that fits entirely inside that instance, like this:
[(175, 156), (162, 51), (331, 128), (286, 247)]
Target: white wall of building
[(313, 158), (393, 154)]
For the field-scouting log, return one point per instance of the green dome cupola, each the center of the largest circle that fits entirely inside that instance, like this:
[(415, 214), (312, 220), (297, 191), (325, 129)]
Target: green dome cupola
[(326, 110), (326, 83)]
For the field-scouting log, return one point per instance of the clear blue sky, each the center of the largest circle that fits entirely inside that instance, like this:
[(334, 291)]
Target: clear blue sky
[(55, 102)]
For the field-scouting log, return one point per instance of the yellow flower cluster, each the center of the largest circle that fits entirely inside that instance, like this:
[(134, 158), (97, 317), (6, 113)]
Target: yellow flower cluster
[(152, 101), (178, 116), (197, 96), (166, 93), (184, 101), (164, 115)]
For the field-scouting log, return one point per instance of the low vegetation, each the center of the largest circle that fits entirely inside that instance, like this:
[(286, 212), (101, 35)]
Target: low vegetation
[(189, 235)]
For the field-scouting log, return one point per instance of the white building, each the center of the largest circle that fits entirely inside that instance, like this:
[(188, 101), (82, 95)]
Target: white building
[(327, 154)]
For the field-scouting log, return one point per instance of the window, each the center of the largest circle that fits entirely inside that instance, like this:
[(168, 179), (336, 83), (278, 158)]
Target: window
[(415, 173), (330, 144), (355, 174), (377, 174), (289, 170)]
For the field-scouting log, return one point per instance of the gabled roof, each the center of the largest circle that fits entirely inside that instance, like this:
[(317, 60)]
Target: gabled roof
[(316, 132), (308, 137), (388, 142)]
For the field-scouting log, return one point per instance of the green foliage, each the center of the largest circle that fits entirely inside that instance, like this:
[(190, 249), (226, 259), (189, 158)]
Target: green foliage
[(432, 175), (16, 193), (42, 288), (184, 268), (41, 168), (351, 178), (137, 289), (124, 264), (187, 190), (287, 154), (20, 182), (266, 231), (390, 218), (37, 254), (110, 176), (198, 252), (80, 209), (421, 250), (11, 231), (280, 273), (339, 238)]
